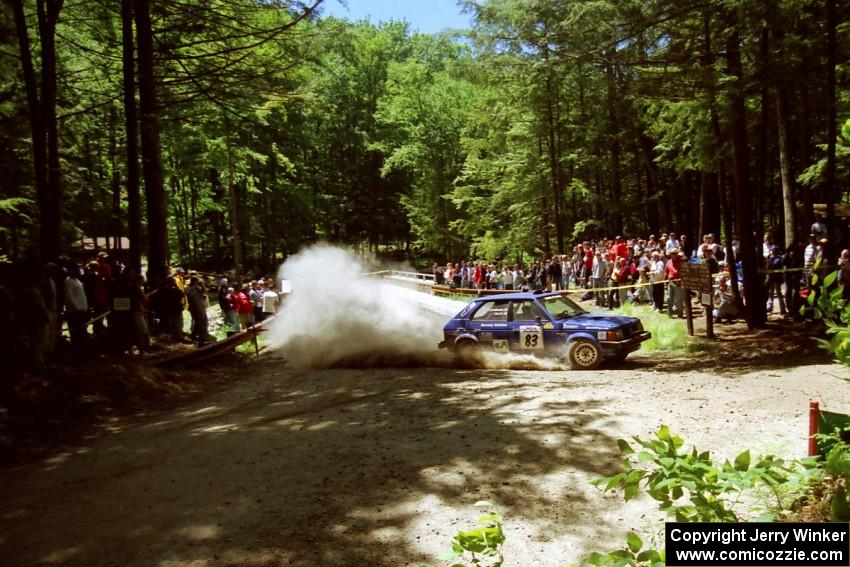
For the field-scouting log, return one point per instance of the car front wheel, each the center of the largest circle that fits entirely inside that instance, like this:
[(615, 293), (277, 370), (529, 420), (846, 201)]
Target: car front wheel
[(584, 355)]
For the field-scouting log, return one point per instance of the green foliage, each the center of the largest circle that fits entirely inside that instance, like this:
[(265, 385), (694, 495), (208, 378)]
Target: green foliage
[(669, 336), (836, 464), (635, 553), (687, 484), (481, 546), (690, 487), (827, 304), (550, 121)]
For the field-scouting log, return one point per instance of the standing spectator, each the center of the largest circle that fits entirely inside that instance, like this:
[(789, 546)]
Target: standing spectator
[(255, 294), (32, 317), (439, 275), (600, 269), (95, 285), (270, 302), (244, 307), (170, 307), (566, 271), (622, 277), (76, 309), (180, 281), (518, 277), (685, 246), (228, 311), (139, 305), (449, 274), (643, 296), (809, 255), (232, 316), (672, 243), (465, 279), (587, 264), (196, 298), (676, 295), (478, 276), (793, 261), (710, 261), (556, 272), (507, 278), (819, 227)]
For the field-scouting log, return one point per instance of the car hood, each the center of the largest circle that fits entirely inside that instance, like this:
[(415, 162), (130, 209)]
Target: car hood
[(598, 321)]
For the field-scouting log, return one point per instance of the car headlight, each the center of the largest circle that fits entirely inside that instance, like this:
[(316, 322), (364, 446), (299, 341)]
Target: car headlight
[(615, 335)]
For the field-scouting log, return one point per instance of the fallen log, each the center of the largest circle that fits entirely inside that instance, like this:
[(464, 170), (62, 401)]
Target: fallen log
[(216, 349)]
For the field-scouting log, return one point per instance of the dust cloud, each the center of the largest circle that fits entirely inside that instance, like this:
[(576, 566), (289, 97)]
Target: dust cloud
[(337, 316)]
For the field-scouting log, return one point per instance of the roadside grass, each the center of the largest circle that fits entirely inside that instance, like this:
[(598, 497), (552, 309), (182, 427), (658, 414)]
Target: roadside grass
[(669, 336)]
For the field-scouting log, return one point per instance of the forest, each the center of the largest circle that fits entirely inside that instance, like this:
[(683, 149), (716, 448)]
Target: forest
[(229, 133)]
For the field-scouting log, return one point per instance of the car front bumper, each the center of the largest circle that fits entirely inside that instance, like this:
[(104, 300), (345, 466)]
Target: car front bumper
[(631, 344)]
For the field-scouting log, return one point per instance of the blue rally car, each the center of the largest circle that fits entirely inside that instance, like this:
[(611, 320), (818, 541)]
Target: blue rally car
[(543, 323)]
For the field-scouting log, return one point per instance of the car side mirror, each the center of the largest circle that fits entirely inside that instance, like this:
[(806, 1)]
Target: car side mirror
[(538, 320)]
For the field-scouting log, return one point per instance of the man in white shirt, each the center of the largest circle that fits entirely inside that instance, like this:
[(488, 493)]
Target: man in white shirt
[(672, 243), (76, 308), (657, 274), (518, 278), (270, 302)]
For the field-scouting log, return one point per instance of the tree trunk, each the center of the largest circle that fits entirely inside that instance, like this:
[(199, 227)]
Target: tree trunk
[(831, 192), (43, 124), (726, 215), (805, 157), (115, 182), (134, 220), (762, 201), (49, 247), (785, 168), (613, 132), (48, 17), (151, 153), (554, 166), (193, 194), (753, 293), (235, 209)]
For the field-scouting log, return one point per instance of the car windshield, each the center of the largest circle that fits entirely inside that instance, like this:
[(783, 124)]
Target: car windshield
[(561, 307)]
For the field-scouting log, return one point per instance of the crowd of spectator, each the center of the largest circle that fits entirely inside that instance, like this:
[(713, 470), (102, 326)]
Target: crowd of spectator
[(105, 306), (646, 271)]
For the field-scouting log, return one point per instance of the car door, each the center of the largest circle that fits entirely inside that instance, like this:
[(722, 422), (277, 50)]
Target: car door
[(490, 321), (528, 324)]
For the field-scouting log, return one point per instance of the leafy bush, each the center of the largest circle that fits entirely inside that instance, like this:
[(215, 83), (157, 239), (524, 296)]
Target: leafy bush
[(827, 304), (481, 546), (688, 486), (836, 465), (668, 335), (635, 553)]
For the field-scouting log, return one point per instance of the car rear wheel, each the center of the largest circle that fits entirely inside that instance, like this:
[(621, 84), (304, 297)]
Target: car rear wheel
[(584, 355)]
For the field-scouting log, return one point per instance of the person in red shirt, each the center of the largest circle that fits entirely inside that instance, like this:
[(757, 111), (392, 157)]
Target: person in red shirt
[(244, 307), (675, 292), (587, 263), (621, 249)]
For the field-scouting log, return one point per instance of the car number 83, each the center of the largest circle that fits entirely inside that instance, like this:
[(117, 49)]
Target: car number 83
[(531, 338)]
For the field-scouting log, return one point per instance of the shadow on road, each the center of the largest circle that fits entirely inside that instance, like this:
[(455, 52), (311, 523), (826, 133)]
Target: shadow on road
[(322, 468)]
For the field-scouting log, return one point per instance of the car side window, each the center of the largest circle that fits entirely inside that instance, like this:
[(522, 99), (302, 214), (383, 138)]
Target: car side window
[(492, 311), (527, 310)]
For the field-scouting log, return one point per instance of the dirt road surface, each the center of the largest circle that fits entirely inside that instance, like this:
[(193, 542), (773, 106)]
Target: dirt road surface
[(380, 467)]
